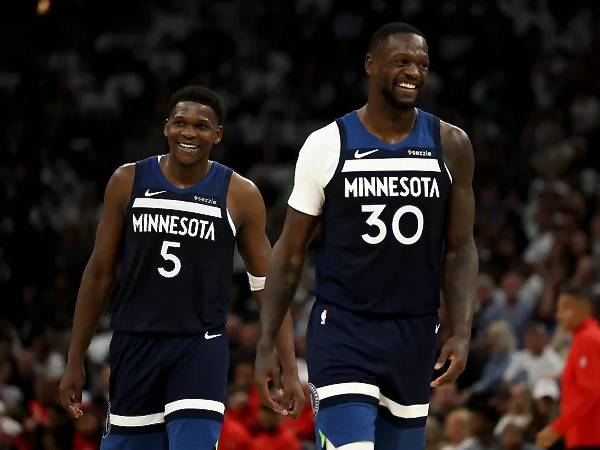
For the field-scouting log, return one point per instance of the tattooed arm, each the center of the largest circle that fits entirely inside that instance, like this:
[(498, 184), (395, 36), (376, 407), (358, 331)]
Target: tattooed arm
[(460, 264), (285, 268)]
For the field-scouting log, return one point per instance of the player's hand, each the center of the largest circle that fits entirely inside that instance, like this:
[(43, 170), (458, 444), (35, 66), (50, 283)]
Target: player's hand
[(456, 349), (293, 398), (546, 437), (267, 373), (70, 389)]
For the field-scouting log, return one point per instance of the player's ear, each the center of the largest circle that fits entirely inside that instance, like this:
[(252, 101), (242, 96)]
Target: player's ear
[(218, 135), (165, 127), (369, 63)]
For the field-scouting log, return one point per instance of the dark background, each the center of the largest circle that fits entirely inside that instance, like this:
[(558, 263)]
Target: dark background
[(84, 87)]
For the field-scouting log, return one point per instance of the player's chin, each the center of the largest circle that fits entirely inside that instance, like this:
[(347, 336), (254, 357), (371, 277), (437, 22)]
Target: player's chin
[(403, 100), (406, 99), (403, 103)]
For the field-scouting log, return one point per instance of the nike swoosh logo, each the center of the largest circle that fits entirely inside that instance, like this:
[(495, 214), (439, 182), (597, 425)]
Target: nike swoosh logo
[(359, 155), (211, 336), (152, 194)]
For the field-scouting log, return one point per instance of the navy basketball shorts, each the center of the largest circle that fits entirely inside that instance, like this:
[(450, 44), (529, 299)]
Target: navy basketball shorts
[(166, 392), (370, 378)]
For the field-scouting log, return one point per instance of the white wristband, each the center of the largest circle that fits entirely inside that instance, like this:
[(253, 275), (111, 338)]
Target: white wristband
[(256, 283)]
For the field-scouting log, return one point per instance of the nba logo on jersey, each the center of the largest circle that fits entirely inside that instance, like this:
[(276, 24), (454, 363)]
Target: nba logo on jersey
[(323, 317)]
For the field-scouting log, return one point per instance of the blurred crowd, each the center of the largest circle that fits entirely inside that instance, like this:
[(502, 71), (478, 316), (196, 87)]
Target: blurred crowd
[(84, 87)]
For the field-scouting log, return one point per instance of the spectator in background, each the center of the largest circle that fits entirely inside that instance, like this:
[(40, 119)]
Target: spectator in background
[(10, 394), (444, 399), (483, 420), (234, 435), (456, 429), (488, 309), (434, 435), (546, 396), (500, 345), (512, 435), (536, 361), (269, 434), (518, 300), (579, 419), (519, 409)]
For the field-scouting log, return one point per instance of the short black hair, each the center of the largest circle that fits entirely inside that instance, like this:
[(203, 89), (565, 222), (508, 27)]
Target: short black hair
[(578, 292), (198, 94), (392, 28)]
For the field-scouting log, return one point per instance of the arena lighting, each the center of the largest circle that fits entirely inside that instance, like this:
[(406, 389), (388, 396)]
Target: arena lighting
[(43, 6)]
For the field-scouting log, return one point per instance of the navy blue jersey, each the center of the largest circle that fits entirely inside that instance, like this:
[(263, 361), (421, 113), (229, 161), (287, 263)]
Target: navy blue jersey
[(384, 221), (177, 254)]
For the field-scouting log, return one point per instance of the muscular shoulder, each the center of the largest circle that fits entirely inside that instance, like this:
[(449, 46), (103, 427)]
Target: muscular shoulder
[(241, 188), (124, 174), (120, 185), (243, 199), (458, 151)]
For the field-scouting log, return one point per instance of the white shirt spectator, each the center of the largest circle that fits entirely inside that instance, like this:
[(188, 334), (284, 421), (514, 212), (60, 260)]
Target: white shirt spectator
[(525, 366)]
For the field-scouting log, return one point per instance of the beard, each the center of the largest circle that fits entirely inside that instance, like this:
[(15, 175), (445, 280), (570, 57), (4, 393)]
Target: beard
[(396, 103)]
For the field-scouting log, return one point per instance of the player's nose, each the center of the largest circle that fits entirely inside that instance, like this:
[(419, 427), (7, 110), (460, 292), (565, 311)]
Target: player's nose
[(412, 71), (188, 132)]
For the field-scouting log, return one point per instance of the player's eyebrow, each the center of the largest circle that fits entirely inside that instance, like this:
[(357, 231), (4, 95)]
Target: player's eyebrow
[(191, 116), (404, 54)]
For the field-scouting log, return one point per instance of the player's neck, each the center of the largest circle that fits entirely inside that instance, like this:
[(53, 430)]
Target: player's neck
[(184, 176), (387, 123)]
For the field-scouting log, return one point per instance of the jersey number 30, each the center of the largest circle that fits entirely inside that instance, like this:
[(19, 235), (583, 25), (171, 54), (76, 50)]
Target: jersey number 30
[(164, 252), (375, 221)]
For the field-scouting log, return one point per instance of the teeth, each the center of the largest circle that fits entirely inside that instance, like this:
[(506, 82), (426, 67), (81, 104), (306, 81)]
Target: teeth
[(408, 85), (188, 146)]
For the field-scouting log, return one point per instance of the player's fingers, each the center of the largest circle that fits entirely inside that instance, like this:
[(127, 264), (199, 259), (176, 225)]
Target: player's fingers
[(288, 400), (69, 395), (448, 376), (444, 355), (297, 403), (264, 394), (291, 404), (442, 379), (75, 410), (67, 401)]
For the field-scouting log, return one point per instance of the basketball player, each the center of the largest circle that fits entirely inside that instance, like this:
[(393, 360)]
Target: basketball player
[(172, 222), (391, 186)]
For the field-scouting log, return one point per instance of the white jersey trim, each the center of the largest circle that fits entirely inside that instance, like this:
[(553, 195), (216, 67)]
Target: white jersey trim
[(362, 445), (404, 411), (194, 403), (348, 388), (177, 205), (317, 161), (136, 421), (448, 171), (391, 165), (397, 410), (231, 224)]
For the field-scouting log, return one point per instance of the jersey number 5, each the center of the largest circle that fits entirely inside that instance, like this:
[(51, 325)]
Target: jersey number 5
[(164, 252), (375, 221)]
